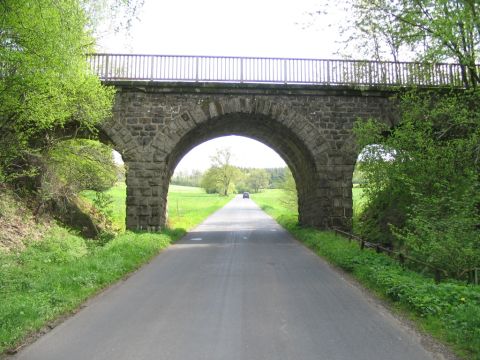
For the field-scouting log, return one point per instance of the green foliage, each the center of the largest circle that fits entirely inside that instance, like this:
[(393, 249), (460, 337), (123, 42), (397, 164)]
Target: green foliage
[(428, 30), (82, 164), (186, 178), (257, 179), (45, 84), (289, 187), (277, 177), (422, 180), (103, 202), (451, 310), (221, 176)]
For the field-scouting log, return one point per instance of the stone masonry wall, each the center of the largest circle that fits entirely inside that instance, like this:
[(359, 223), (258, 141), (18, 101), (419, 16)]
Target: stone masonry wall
[(154, 126)]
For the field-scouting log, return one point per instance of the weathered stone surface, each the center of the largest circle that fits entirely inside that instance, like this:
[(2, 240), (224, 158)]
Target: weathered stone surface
[(156, 124)]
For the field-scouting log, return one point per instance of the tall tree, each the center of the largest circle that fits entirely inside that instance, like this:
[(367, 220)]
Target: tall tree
[(44, 84), (226, 173), (433, 30), (258, 179)]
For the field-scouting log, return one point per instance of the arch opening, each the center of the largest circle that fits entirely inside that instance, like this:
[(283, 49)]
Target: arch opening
[(265, 130), (320, 168)]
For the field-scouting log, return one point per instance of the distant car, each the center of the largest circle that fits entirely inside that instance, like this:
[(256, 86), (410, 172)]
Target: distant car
[(246, 195)]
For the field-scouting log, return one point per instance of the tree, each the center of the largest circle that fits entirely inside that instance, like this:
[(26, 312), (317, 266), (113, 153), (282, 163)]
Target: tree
[(45, 85), (225, 173), (290, 188), (427, 196), (435, 31), (110, 15), (187, 178), (258, 179)]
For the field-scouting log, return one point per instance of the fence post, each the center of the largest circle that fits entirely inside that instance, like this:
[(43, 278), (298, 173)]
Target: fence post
[(362, 245), (377, 248), (437, 276), (401, 258), (476, 275)]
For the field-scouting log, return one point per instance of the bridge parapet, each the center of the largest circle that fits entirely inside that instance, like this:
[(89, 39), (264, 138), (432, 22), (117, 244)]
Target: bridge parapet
[(225, 69)]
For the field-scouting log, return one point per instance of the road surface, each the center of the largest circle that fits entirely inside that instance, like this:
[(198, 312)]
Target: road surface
[(237, 287)]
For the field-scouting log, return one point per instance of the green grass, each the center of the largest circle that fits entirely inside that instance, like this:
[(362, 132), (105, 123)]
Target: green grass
[(53, 277), (450, 310), (359, 201), (187, 206)]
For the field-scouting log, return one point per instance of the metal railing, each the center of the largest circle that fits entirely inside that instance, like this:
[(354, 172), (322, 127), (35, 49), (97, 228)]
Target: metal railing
[(116, 67)]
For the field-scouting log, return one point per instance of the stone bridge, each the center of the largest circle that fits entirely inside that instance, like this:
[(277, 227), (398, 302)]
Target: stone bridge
[(302, 108), (155, 124)]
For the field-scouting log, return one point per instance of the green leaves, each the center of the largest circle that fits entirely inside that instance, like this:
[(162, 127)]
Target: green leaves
[(425, 197), (425, 30), (45, 83)]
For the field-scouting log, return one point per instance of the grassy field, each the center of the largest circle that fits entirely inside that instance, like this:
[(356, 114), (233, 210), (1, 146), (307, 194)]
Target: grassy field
[(53, 277), (273, 201), (187, 206), (450, 310)]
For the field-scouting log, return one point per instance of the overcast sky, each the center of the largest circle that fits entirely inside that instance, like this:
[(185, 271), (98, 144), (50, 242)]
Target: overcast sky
[(259, 28)]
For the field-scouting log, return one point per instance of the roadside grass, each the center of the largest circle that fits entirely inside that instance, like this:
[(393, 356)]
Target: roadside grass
[(450, 310), (187, 206), (53, 277), (359, 201)]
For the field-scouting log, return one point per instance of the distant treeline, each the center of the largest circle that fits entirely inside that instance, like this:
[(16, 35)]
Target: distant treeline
[(275, 178)]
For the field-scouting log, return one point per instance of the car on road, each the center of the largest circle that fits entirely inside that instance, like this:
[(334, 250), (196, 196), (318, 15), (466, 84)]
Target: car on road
[(246, 195)]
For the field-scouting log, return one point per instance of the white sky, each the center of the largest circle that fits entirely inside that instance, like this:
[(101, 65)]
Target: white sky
[(259, 28)]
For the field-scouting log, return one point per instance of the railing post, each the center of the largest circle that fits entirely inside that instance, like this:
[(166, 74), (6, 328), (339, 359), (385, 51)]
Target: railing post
[(152, 67), (370, 73), (285, 71), (241, 70), (196, 68), (452, 78), (106, 66), (328, 77)]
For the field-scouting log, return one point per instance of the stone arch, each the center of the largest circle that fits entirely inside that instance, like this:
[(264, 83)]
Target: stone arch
[(154, 126), (266, 130)]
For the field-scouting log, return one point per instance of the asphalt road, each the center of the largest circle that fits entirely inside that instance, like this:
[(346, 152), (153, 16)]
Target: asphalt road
[(237, 287)]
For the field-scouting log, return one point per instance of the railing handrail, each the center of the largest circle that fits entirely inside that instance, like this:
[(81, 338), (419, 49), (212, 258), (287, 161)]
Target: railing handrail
[(277, 58), (245, 69)]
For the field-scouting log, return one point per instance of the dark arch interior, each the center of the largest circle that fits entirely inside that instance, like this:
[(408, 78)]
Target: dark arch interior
[(261, 128)]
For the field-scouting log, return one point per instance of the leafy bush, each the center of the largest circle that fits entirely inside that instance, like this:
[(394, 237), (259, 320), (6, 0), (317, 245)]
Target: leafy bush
[(45, 83), (422, 180)]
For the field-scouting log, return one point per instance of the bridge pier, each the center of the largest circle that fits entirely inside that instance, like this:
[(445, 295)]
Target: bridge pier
[(147, 190), (329, 203)]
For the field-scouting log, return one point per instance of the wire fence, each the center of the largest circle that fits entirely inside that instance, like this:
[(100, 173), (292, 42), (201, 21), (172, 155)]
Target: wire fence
[(117, 67)]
